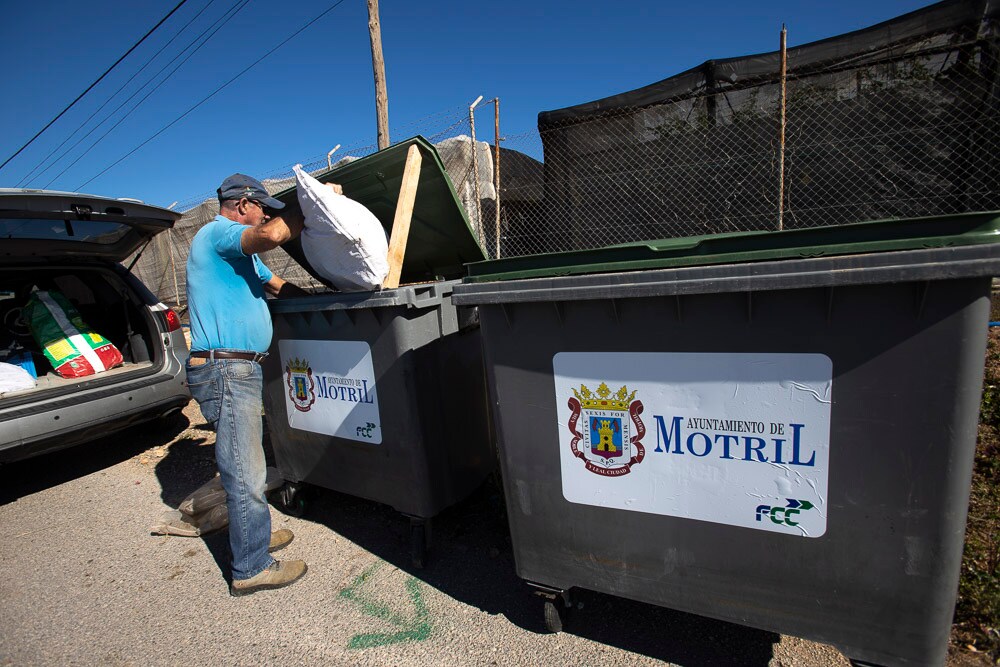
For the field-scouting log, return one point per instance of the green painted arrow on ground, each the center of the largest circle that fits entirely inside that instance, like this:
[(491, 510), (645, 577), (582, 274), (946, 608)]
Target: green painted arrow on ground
[(417, 628)]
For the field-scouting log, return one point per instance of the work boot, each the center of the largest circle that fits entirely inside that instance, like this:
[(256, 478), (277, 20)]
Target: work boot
[(280, 574), (280, 539)]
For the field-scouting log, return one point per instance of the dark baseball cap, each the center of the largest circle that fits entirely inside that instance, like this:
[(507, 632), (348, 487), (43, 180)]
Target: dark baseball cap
[(239, 186)]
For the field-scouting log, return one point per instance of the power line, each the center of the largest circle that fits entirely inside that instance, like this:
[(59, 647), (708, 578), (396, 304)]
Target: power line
[(211, 95), (218, 25), (91, 86), (24, 181)]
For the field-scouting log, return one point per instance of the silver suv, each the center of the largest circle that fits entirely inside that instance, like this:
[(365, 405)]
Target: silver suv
[(73, 244)]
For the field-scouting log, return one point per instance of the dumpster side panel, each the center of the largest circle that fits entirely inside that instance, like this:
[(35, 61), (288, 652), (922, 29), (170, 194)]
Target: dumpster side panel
[(907, 371), (454, 416), (434, 446), (381, 471)]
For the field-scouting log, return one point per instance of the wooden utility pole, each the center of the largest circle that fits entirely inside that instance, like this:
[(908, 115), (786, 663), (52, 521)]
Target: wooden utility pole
[(378, 65)]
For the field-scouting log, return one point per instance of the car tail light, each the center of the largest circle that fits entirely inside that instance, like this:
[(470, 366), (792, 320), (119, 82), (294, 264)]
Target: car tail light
[(173, 322), (166, 317)]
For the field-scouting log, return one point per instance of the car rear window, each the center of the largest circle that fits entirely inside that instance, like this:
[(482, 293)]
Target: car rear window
[(85, 231)]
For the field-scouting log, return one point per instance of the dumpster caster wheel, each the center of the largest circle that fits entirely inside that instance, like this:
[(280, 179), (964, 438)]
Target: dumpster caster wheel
[(554, 616), (557, 607), (292, 502), (418, 543)]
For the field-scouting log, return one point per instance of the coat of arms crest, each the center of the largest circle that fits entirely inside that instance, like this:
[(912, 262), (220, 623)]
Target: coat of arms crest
[(611, 432), (301, 386)]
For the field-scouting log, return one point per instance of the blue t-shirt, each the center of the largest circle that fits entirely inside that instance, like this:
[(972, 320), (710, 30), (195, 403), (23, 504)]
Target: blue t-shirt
[(225, 291)]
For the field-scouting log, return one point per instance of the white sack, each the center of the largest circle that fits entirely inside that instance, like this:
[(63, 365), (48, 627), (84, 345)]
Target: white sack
[(205, 509), (211, 494), (14, 378), (342, 240), (177, 523)]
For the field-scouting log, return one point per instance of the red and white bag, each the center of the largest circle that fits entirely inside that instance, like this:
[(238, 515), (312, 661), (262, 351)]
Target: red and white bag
[(70, 345)]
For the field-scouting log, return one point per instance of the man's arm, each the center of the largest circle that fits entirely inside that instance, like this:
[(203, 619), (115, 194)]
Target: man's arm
[(272, 233), (282, 288)]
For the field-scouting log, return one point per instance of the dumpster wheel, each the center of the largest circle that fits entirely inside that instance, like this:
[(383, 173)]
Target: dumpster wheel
[(291, 500), (556, 609), (553, 617)]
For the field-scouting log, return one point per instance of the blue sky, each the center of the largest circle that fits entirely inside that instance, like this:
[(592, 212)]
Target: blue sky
[(317, 90)]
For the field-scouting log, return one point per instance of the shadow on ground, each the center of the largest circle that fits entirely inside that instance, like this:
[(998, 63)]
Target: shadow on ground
[(23, 478), (471, 560), (189, 463)]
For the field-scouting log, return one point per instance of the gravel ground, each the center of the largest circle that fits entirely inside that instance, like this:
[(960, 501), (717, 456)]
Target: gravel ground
[(87, 584)]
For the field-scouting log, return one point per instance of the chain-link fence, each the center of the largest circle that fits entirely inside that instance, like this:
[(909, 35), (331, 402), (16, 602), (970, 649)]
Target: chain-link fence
[(900, 120)]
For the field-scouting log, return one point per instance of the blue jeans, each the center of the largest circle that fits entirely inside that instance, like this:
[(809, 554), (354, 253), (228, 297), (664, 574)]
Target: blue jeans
[(229, 393)]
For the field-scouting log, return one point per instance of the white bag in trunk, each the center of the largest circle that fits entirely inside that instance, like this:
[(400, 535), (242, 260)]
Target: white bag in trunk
[(342, 240), (14, 378)]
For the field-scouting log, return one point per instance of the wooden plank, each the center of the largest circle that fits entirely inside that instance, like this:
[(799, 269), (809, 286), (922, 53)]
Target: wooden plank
[(401, 221)]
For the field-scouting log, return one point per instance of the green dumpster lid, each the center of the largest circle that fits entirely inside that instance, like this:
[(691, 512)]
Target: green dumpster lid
[(858, 238), (441, 241)]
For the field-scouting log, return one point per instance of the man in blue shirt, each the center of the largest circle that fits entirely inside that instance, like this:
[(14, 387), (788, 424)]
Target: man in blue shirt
[(230, 334)]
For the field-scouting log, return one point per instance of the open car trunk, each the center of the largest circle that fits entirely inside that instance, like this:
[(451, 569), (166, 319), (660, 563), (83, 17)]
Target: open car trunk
[(106, 302)]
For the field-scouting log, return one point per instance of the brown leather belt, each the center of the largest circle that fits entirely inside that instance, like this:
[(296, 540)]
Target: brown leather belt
[(228, 354)]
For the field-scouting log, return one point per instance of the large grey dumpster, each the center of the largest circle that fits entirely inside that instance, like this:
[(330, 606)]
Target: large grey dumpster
[(770, 429), (381, 394)]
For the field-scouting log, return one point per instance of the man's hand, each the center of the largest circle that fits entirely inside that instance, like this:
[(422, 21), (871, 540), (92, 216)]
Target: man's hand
[(335, 187), (283, 289)]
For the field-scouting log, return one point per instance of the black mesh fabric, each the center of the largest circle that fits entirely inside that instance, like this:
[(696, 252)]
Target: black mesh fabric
[(896, 120)]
